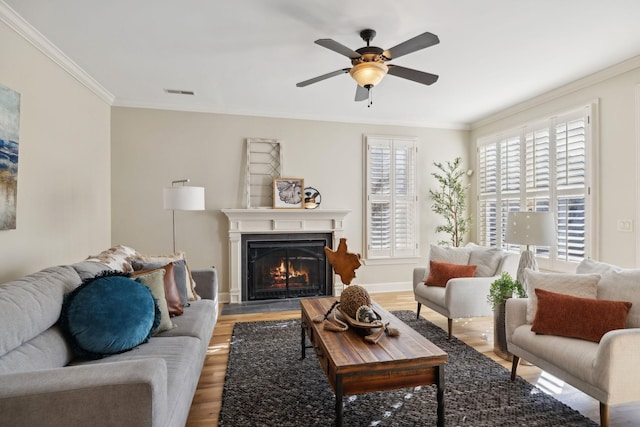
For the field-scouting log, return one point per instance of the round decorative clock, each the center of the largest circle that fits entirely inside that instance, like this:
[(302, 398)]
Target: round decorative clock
[(312, 198)]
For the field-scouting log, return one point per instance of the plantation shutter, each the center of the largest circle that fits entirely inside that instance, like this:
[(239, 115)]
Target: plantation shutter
[(391, 200), (379, 197), (571, 144), (538, 155), (539, 167), (510, 165), (487, 183)]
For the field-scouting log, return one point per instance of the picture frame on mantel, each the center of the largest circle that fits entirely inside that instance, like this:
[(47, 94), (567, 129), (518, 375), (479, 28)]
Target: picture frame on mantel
[(288, 193)]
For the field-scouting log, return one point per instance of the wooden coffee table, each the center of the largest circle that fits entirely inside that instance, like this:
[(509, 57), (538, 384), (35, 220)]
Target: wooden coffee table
[(354, 366)]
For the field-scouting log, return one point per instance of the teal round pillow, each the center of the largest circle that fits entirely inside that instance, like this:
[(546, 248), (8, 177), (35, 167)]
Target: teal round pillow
[(107, 315)]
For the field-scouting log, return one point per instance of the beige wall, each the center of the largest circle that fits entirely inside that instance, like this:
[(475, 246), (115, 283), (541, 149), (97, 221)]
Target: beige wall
[(616, 158), (150, 148), (63, 207)]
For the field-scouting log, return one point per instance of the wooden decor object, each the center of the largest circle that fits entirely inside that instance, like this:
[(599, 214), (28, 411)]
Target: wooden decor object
[(344, 263)]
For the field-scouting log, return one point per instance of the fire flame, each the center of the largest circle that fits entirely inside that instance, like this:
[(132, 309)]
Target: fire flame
[(279, 275)]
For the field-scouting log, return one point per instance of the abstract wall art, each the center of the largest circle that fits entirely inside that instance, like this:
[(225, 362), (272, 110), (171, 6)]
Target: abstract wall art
[(9, 130), (287, 193)]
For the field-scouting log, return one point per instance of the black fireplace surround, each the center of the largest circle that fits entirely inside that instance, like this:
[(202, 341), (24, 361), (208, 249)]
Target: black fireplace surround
[(291, 265)]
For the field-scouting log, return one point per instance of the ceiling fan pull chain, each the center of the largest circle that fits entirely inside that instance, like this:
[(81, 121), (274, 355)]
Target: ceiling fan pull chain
[(370, 97)]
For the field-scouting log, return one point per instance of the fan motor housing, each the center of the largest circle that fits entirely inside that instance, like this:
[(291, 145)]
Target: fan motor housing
[(369, 54)]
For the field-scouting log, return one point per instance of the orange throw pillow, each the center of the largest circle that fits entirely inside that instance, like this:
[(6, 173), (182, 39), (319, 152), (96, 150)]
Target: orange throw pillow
[(441, 272), (575, 317)]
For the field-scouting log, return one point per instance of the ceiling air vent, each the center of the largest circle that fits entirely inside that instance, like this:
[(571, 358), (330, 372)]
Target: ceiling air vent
[(179, 92)]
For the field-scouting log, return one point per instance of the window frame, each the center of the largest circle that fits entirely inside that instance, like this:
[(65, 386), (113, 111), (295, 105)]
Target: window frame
[(409, 201), (527, 196)]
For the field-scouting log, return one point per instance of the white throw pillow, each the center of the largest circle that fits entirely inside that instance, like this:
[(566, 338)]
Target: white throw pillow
[(578, 285), (487, 260), (590, 266), (623, 285), (450, 255)]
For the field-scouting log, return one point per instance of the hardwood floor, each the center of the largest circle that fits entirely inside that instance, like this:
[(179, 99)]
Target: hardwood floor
[(476, 332)]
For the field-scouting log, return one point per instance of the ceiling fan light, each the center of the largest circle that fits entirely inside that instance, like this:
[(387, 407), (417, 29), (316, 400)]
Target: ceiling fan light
[(368, 73)]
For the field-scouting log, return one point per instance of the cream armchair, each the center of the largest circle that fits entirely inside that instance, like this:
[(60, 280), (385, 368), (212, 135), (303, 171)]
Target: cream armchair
[(606, 370), (462, 297)]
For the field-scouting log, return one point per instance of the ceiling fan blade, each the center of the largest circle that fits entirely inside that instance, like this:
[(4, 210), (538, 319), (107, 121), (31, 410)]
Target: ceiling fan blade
[(338, 47), (414, 75), (418, 42), (362, 93), (322, 77)]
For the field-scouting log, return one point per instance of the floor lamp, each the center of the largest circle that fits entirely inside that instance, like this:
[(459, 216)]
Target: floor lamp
[(182, 198), (529, 228)]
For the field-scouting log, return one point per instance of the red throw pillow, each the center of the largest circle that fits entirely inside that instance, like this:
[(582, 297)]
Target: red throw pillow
[(575, 317), (441, 272)]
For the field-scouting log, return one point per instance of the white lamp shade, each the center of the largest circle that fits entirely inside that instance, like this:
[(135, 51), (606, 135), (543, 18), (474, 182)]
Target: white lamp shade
[(368, 73), (184, 198), (530, 228)]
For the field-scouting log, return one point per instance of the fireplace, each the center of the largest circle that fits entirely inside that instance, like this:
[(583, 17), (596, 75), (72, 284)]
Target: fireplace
[(285, 265), (272, 223)]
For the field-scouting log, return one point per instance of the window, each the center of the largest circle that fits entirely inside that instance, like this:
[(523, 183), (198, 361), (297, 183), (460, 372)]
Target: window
[(391, 215), (542, 166)]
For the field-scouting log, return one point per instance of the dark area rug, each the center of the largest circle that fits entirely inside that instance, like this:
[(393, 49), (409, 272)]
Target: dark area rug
[(268, 385)]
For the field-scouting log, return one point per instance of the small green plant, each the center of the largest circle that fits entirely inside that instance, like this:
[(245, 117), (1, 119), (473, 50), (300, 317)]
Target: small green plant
[(450, 201), (503, 288)]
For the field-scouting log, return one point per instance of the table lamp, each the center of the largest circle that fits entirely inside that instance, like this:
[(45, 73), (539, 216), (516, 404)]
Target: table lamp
[(529, 228), (182, 198)]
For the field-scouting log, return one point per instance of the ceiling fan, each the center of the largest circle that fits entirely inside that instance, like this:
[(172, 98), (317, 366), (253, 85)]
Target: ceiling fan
[(368, 63)]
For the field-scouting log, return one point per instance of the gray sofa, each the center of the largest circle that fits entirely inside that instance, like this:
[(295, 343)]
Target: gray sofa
[(42, 385)]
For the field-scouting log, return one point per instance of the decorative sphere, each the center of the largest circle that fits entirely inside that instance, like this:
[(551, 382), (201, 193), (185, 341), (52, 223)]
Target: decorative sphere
[(352, 298)]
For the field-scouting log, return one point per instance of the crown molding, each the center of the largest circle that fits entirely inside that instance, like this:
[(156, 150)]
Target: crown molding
[(193, 108), (590, 80), (18, 24)]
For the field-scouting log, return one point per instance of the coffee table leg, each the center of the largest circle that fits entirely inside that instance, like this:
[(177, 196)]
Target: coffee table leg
[(440, 394), (339, 409), (302, 341)]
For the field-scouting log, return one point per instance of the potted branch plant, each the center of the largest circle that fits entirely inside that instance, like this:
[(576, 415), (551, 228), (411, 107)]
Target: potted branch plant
[(450, 201), (499, 292)]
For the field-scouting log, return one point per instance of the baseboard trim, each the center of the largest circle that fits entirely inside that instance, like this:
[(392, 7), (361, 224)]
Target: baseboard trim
[(372, 288)]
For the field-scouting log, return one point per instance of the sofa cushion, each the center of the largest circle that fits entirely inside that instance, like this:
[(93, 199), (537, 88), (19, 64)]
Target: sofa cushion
[(107, 315), (571, 355), (88, 269), (171, 294), (450, 255), (623, 285), (487, 260), (154, 280), (31, 305), (441, 272), (584, 318), (197, 321), (183, 358), (48, 350), (578, 285)]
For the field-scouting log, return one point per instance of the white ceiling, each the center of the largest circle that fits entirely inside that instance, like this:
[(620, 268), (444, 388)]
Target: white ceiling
[(246, 56)]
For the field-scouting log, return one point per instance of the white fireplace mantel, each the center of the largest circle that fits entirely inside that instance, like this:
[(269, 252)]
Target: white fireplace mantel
[(251, 221)]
